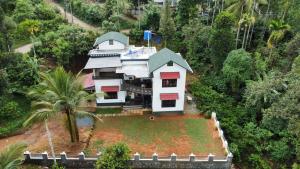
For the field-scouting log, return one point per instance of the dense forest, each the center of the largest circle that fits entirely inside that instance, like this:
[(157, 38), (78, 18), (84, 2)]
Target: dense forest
[(245, 55)]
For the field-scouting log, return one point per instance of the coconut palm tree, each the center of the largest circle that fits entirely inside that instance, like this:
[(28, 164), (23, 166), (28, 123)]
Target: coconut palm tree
[(278, 30), (246, 21), (240, 7), (12, 156), (60, 92)]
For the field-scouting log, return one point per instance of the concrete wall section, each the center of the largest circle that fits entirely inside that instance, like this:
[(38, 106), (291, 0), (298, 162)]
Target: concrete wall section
[(158, 89), (106, 46), (109, 82)]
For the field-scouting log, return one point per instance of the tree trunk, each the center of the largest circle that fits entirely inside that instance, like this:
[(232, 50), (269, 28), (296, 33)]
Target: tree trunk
[(247, 37), (50, 141), (244, 37), (239, 27), (70, 126), (237, 36), (266, 18), (76, 132), (213, 17)]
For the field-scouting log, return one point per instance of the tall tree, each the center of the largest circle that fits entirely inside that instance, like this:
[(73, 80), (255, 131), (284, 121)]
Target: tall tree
[(11, 157), (222, 39), (60, 92), (166, 24), (238, 67)]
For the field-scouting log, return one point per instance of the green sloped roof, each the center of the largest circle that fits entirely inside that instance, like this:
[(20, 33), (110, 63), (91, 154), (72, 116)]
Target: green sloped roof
[(112, 36), (163, 57)]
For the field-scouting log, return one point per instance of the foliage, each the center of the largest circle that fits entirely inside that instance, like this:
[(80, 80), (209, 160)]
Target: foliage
[(11, 157), (19, 71), (114, 157), (9, 111), (24, 10), (3, 82), (151, 17), (238, 67), (166, 23), (65, 45), (222, 39), (196, 37)]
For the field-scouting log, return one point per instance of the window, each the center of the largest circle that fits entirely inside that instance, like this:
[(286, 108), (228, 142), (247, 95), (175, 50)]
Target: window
[(168, 103), (111, 95), (111, 42), (169, 82), (170, 63)]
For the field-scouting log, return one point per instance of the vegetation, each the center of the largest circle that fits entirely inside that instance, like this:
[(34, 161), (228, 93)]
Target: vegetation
[(108, 110), (11, 156), (115, 157)]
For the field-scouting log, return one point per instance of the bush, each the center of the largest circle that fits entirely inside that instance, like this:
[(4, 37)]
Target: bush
[(10, 111), (114, 157)]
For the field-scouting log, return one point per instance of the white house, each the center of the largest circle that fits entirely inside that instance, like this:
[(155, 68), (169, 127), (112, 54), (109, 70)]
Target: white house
[(126, 75)]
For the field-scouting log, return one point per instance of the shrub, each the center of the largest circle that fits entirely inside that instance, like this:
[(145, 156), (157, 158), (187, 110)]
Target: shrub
[(9, 111), (114, 157)]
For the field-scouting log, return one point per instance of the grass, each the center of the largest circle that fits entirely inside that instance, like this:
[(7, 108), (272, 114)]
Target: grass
[(108, 110), (165, 134)]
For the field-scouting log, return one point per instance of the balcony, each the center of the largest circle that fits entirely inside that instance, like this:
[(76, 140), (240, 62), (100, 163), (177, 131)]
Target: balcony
[(136, 89), (108, 76)]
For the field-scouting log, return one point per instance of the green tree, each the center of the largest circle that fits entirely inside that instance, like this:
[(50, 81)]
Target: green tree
[(151, 17), (222, 39), (238, 67), (186, 11), (60, 92), (114, 157), (24, 10), (11, 157), (166, 24)]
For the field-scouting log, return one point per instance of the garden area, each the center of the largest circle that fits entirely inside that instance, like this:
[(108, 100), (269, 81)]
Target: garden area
[(164, 135)]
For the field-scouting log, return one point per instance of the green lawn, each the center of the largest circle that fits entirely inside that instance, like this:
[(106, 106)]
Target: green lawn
[(180, 134), (108, 110)]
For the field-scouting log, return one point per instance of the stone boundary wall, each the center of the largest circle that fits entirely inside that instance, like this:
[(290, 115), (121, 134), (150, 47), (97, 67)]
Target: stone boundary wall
[(221, 133), (137, 162)]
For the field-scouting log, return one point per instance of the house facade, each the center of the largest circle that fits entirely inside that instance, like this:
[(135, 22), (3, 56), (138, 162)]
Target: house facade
[(127, 75)]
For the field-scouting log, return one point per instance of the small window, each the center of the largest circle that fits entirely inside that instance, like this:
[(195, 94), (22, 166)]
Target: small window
[(111, 42), (170, 63), (111, 95), (169, 82), (168, 103)]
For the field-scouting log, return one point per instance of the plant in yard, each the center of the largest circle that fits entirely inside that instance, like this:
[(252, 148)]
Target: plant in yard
[(11, 157), (60, 92), (114, 157)]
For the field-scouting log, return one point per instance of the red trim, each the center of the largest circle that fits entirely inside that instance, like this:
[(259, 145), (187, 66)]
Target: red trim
[(110, 88), (169, 75), (169, 96)]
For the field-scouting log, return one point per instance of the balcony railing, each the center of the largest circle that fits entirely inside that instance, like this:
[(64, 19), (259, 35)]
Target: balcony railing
[(112, 76), (136, 89)]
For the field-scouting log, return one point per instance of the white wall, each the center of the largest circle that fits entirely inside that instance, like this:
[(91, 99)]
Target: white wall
[(116, 46), (109, 82), (158, 89)]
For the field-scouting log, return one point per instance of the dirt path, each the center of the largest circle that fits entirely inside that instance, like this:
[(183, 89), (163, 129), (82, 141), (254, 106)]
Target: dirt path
[(76, 21), (24, 49)]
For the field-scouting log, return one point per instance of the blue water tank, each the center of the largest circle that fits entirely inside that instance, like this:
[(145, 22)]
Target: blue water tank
[(147, 35)]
